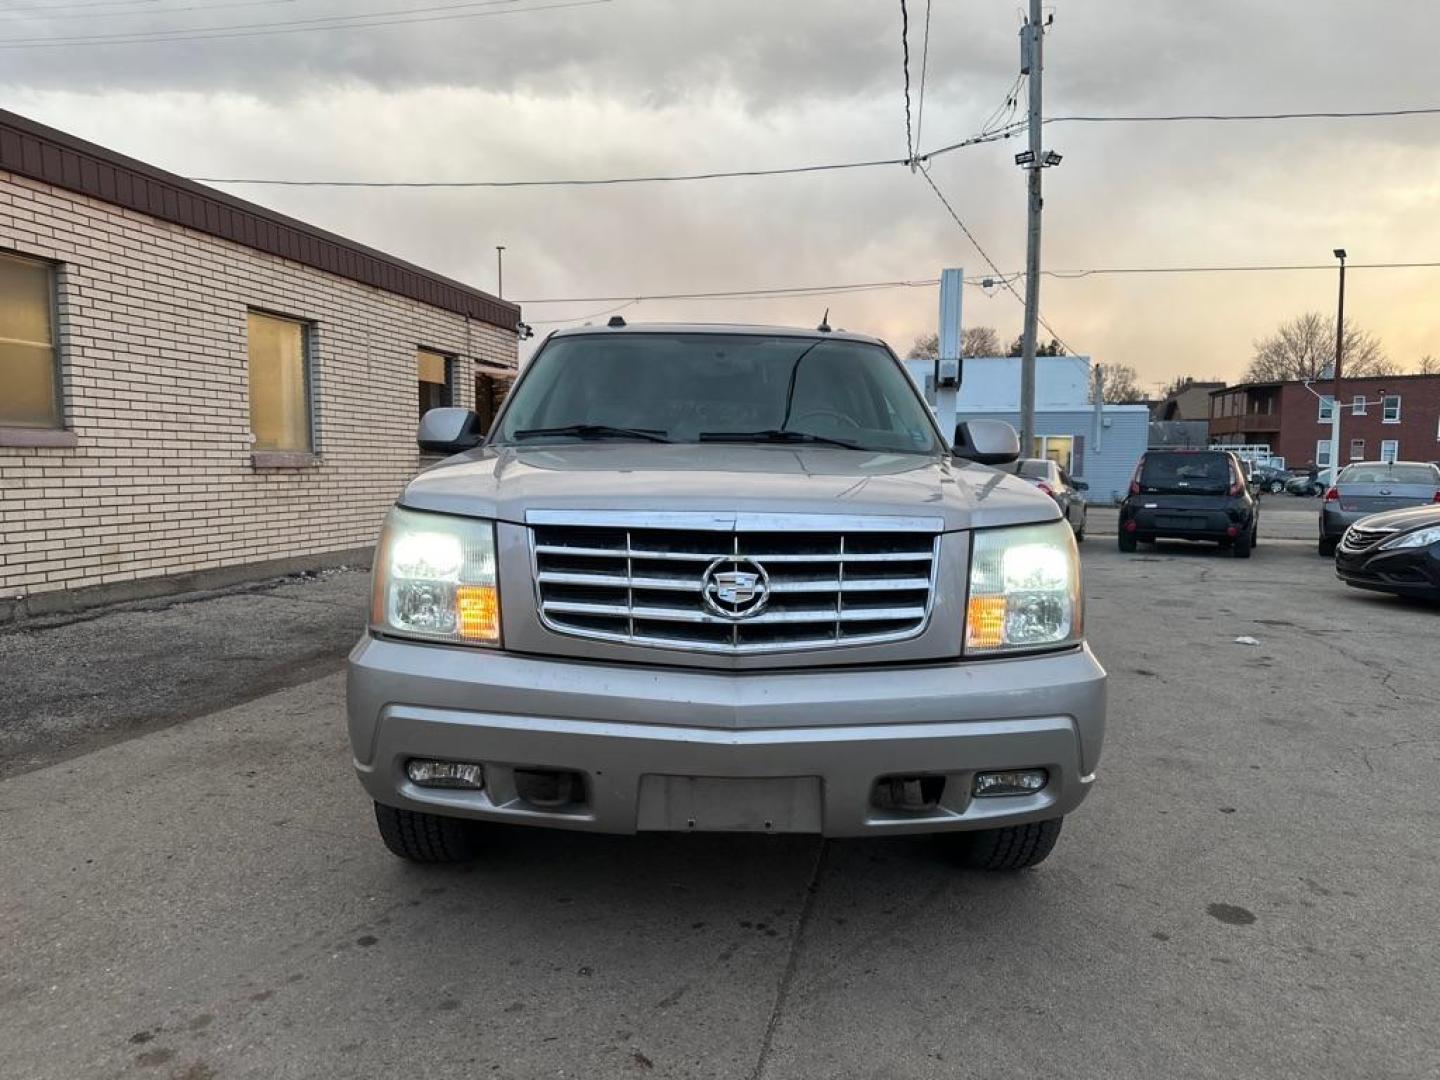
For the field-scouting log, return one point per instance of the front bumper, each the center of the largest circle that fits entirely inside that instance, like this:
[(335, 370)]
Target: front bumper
[(1411, 572), (677, 749)]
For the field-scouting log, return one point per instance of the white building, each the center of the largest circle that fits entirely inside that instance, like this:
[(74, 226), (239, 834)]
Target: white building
[(1100, 446)]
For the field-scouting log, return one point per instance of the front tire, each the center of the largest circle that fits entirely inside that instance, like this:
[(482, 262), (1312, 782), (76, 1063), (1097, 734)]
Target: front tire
[(425, 838), (1014, 847)]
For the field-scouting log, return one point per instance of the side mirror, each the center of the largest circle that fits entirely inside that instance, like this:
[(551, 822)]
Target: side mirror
[(1079, 485), (988, 442), (448, 431)]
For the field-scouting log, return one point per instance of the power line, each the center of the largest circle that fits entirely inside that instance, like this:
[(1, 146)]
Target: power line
[(576, 182), (362, 21), (782, 292), (973, 140), (905, 64), (924, 68), (34, 12), (1180, 117), (998, 278)]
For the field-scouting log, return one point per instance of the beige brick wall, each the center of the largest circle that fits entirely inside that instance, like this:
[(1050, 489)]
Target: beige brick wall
[(152, 328)]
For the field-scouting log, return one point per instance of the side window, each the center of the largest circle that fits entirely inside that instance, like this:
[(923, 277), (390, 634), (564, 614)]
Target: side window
[(29, 383), (279, 383), (434, 373)]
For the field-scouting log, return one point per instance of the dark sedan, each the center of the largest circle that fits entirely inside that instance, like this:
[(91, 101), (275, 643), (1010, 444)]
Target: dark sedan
[(1395, 552)]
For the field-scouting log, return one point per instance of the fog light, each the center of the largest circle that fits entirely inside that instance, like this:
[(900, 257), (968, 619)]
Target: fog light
[(446, 774), (1015, 782)]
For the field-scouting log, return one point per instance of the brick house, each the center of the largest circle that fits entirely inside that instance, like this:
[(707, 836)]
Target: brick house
[(196, 389), (1393, 417)]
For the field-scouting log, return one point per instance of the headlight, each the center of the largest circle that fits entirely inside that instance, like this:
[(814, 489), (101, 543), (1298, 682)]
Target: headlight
[(1024, 589), (1419, 538), (435, 579)]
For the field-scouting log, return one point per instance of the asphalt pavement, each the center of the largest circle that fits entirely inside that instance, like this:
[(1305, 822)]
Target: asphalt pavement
[(1249, 892)]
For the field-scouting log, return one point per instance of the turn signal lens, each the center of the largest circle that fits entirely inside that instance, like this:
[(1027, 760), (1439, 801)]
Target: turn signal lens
[(478, 608), (985, 622)]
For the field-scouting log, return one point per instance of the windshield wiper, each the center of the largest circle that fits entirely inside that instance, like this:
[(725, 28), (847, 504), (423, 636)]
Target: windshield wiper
[(775, 435), (594, 431)]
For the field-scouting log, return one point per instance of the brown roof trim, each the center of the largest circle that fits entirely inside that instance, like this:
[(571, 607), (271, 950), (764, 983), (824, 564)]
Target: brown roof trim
[(1319, 381), (53, 157)]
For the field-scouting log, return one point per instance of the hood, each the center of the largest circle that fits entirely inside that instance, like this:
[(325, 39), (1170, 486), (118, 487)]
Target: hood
[(504, 482), (1412, 517)]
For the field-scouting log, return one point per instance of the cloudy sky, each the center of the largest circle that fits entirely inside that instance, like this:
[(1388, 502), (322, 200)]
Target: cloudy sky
[(503, 89)]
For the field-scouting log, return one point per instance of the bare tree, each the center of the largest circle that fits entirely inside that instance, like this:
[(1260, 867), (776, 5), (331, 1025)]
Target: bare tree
[(1017, 348), (1429, 365), (1305, 346), (1122, 385), (979, 341), (974, 341)]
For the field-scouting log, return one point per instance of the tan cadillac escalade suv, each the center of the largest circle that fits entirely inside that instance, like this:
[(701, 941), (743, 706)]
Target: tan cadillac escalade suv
[(724, 578)]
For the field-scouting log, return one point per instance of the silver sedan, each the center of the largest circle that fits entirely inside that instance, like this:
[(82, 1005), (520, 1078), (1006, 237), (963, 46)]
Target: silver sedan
[(1370, 487)]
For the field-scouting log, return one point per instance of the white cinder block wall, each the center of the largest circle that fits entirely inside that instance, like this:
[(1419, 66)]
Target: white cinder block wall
[(152, 348)]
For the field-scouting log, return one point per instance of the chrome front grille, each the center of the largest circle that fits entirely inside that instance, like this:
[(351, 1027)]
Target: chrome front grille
[(1358, 539), (814, 581)]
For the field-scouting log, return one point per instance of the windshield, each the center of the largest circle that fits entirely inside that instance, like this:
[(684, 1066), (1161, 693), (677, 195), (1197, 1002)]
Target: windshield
[(1209, 473), (1389, 474), (696, 387)]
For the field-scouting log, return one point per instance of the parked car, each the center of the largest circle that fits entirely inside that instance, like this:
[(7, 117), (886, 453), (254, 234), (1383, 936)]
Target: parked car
[(1305, 484), (1369, 487), (1268, 478), (1068, 493), (1396, 552), (1190, 495), (711, 578)]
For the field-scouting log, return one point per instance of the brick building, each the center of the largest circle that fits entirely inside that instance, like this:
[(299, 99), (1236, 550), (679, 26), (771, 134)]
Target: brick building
[(1394, 417), (194, 388)]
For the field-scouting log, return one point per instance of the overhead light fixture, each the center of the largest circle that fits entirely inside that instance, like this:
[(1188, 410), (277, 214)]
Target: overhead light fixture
[(1051, 158), (1339, 253)]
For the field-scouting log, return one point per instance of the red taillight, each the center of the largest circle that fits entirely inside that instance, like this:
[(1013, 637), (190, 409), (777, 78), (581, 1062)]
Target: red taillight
[(1332, 495), (1135, 479), (1437, 497), (1130, 526), (1232, 530), (1237, 487), (1045, 488)]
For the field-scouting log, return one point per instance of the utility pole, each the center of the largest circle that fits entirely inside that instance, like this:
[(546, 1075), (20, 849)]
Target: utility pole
[(500, 270), (1099, 406), (1032, 64), (1339, 358)]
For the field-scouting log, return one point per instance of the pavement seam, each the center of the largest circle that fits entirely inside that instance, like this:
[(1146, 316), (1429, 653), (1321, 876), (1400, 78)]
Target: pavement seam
[(792, 961)]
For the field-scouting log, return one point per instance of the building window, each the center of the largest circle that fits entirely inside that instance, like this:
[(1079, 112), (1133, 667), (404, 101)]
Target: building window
[(1357, 405), (1322, 453), (1389, 449), (1392, 409), (1357, 449), (279, 383), (29, 391), (1058, 448), (434, 371), (1327, 408)]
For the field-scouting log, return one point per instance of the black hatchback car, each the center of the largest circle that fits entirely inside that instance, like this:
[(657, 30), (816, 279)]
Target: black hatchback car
[(1395, 552), (1190, 495)]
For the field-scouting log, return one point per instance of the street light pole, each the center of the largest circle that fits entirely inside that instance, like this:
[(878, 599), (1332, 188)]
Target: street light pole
[(500, 270), (1339, 359)]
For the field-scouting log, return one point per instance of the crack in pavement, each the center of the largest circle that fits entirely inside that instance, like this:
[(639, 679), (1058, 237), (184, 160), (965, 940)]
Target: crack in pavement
[(792, 961)]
